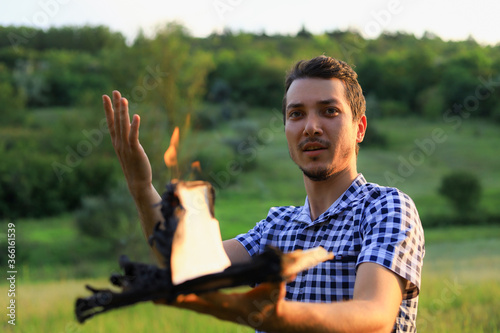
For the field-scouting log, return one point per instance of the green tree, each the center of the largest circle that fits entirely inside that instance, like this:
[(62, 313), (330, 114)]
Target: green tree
[(173, 82), (430, 102), (181, 74), (68, 75), (463, 190), (111, 217), (254, 77), (12, 100)]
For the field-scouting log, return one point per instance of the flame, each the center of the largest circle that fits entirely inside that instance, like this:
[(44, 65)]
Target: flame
[(170, 156), (171, 153), (195, 166)]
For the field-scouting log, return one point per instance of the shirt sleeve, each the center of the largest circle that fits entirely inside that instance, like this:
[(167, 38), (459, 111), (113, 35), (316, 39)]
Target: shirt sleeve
[(393, 237), (252, 239)]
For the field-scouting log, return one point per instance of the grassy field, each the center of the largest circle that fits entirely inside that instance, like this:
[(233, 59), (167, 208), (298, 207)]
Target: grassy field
[(460, 293), (461, 281)]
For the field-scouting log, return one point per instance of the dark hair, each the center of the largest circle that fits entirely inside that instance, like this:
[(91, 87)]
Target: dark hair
[(328, 68)]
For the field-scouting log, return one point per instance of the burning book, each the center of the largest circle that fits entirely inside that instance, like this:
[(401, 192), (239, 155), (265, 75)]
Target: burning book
[(190, 243)]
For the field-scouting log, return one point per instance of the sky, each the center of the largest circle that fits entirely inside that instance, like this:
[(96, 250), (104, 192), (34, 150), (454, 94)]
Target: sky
[(448, 19)]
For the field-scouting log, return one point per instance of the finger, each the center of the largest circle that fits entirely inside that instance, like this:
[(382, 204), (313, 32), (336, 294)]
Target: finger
[(272, 291), (124, 120), (223, 306), (189, 298), (179, 300), (218, 299), (108, 110), (192, 302), (134, 130), (117, 116)]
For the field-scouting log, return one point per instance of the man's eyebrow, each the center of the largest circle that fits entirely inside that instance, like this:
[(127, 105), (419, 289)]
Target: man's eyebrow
[(328, 101), (321, 102), (294, 105)]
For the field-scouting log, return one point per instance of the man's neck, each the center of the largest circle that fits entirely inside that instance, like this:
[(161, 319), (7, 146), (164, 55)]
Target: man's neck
[(322, 194)]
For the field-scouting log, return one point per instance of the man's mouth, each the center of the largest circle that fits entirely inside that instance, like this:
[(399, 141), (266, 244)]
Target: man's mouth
[(314, 145), (313, 148)]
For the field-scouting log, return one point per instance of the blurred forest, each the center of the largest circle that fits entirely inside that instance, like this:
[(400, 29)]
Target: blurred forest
[(48, 76)]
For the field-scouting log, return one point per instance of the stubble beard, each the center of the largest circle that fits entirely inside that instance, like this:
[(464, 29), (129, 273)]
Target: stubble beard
[(324, 173), (319, 174)]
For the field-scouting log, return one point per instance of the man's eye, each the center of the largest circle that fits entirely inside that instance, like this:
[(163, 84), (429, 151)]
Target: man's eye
[(294, 114), (331, 111)]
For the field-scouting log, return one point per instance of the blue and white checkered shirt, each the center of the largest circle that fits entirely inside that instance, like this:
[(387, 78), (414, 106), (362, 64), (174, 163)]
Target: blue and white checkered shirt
[(368, 223)]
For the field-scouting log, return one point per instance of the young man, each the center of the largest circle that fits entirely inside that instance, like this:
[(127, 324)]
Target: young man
[(373, 282)]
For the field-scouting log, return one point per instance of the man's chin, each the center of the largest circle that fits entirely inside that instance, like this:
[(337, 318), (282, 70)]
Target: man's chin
[(317, 175)]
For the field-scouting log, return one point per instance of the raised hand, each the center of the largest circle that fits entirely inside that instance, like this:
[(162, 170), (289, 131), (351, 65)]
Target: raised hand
[(134, 162), (125, 138)]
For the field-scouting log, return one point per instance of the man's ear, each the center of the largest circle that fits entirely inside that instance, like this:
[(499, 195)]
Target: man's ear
[(361, 126)]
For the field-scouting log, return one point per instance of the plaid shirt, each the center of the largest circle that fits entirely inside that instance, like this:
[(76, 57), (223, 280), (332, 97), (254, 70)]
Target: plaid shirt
[(368, 223)]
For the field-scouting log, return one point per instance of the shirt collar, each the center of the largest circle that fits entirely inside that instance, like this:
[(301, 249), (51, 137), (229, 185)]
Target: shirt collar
[(304, 213)]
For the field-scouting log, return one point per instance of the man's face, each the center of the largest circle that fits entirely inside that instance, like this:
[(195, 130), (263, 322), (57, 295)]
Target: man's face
[(319, 127)]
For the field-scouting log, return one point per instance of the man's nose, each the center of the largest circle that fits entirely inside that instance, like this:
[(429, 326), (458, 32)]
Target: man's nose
[(313, 126)]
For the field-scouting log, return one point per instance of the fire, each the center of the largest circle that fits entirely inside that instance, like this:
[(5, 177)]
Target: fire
[(171, 153), (171, 159), (195, 166)]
